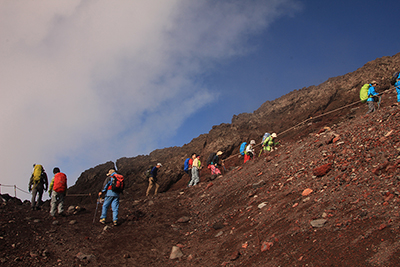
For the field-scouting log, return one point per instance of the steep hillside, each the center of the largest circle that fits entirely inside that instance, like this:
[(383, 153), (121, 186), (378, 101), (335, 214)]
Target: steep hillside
[(330, 198), (273, 116)]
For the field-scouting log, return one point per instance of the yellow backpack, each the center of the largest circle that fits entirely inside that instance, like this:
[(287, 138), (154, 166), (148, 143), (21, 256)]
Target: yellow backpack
[(37, 173)]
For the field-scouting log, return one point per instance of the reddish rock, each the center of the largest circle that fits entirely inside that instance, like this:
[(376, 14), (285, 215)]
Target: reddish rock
[(382, 226), (306, 192), (235, 255), (266, 246), (337, 138), (322, 170)]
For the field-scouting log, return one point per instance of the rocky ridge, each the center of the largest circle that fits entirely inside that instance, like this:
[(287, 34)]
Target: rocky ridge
[(273, 116)]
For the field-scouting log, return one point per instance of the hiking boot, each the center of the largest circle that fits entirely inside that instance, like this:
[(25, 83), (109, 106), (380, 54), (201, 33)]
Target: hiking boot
[(115, 223), (103, 221)]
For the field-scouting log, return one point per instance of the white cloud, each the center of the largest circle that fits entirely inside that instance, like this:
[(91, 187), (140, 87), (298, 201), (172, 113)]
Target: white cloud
[(84, 82)]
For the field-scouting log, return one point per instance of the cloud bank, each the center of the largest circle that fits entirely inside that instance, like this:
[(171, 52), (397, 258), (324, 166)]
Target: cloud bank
[(85, 82)]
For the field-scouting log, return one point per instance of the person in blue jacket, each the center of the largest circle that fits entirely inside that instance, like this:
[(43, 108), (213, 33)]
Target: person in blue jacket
[(397, 85), (111, 198), (153, 179), (371, 94)]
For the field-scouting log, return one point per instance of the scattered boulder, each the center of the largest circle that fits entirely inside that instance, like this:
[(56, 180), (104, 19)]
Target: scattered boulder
[(322, 170), (176, 253), (318, 223)]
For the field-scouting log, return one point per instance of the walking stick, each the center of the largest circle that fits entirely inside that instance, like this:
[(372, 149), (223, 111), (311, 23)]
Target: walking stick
[(97, 205)]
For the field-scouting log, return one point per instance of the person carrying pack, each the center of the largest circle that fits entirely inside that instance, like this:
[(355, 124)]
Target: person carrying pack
[(153, 179), (37, 183), (57, 191), (249, 152), (242, 148), (213, 161), (111, 196), (196, 166), (268, 143), (371, 95), (186, 166), (396, 83)]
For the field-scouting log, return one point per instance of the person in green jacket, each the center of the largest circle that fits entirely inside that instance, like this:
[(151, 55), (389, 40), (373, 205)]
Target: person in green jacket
[(268, 143)]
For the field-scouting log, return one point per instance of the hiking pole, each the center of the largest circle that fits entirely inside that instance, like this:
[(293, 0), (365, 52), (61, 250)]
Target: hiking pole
[(97, 205), (259, 154)]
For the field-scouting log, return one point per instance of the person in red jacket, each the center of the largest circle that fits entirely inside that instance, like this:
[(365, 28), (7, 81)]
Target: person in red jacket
[(57, 191)]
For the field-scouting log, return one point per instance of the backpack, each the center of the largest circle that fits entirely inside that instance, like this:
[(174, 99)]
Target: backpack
[(211, 158), (117, 184), (243, 148), (60, 182), (364, 92), (394, 77), (37, 173), (186, 165), (147, 173), (266, 135)]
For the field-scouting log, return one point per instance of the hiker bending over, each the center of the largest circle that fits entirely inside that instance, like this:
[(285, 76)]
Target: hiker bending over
[(153, 179), (111, 198), (57, 191), (213, 162), (37, 183), (249, 152), (371, 99), (196, 166), (268, 144)]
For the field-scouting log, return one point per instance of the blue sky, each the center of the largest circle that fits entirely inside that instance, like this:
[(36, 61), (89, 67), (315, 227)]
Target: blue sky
[(85, 82)]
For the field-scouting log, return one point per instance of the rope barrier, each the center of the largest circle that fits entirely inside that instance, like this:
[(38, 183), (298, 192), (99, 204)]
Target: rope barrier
[(312, 118), (16, 187)]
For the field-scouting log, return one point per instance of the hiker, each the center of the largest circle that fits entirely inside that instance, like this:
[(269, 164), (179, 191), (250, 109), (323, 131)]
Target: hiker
[(397, 85), (249, 152), (371, 99), (213, 161), (190, 166), (111, 198), (267, 145), (187, 167), (37, 183), (153, 179), (196, 166), (57, 191)]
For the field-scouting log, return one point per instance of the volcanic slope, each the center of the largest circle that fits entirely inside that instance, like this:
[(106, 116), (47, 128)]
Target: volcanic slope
[(330, 198)]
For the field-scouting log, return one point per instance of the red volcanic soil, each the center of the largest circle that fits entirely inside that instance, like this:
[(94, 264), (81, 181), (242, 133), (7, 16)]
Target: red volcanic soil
[(328, 199)]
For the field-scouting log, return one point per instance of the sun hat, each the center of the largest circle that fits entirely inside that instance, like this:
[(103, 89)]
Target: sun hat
[(111, 171)]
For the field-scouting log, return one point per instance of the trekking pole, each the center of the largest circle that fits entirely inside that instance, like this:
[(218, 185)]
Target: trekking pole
[(259, 154), (97, 205)]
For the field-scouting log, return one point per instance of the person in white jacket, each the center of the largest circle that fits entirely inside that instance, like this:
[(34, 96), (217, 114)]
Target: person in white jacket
[(249, 152)]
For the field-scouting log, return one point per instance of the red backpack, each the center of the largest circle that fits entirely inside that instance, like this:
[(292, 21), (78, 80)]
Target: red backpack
[(117, 184), (60, 182)]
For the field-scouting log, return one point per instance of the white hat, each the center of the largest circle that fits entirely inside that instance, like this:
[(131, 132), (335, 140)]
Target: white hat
[(274, 135), (159, 164), (219, 153), (252, 142)]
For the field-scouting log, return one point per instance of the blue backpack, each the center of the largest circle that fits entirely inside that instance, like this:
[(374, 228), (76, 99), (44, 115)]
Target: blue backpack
[(266, 135), (243, 148), (186, 165)]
